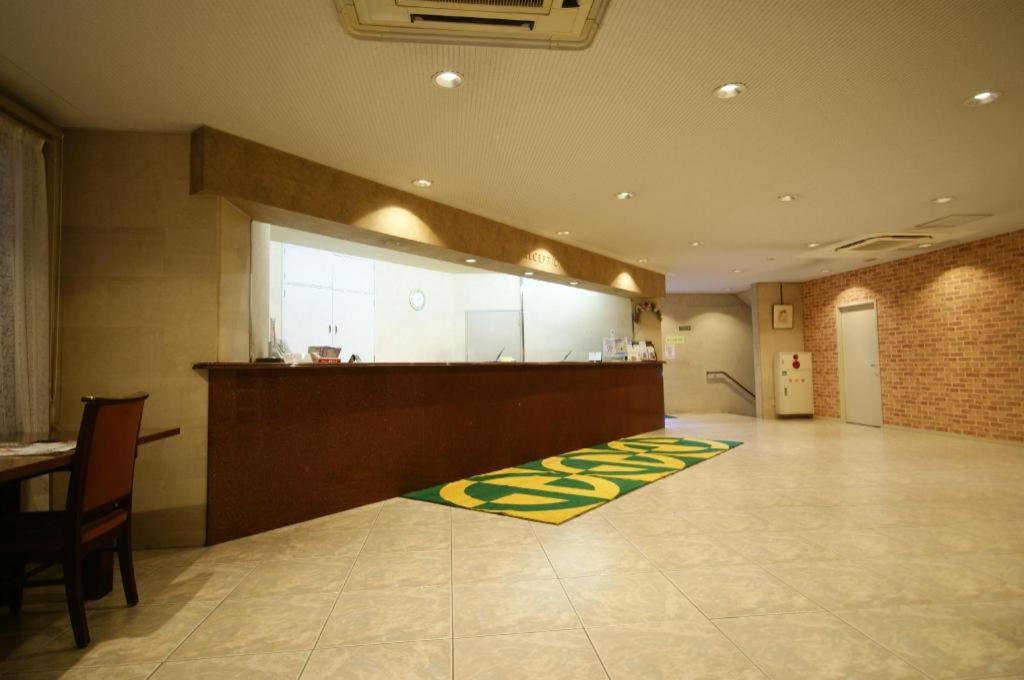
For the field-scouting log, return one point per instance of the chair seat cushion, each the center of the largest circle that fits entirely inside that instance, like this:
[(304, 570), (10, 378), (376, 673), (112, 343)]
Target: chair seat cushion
[(39, 532)]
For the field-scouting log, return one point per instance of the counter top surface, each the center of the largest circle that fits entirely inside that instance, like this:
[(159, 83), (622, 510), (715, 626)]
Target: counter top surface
[(237, 366)]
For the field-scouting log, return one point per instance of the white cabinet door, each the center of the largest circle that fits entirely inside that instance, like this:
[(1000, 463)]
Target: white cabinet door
[(307, 317), (307, 266), (353, 318), (352, 274)]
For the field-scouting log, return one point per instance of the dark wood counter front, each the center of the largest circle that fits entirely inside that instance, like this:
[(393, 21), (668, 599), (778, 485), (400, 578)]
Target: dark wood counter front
[(290, 443)]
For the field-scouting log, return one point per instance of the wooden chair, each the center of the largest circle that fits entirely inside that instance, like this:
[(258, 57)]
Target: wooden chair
[(97, 516)]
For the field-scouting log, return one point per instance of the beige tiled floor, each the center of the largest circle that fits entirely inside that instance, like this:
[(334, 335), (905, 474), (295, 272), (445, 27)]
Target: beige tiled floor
[(815, 550)]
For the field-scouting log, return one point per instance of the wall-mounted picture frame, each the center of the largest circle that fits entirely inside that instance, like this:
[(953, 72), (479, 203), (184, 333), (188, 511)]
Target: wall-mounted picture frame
[(782, 316)]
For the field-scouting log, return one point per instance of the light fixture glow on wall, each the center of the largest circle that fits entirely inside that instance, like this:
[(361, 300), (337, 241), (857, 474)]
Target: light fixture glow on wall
[(788, 198), (642, 260), (730, 90), (470, 260), (982, 98), (924, 245), (564, 232), (574, 283), (813, 245), (942, 199), (448, 80), (624, 195), (422, 183), (527, 273), (737, 271)]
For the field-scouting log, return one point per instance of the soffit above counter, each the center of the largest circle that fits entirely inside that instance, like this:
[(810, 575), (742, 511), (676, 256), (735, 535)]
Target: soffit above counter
[(281, 188)]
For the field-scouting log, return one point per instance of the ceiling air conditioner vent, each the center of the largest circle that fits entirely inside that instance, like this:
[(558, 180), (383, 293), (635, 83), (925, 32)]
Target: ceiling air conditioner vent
[(880, 243), (950, 221), (550, 24)]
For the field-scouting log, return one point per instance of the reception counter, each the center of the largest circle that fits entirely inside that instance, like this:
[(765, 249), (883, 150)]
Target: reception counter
[(291, 443)]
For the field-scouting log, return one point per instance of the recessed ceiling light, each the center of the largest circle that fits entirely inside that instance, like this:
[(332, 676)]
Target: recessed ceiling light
[(924, 245), (696, 244), (730, 90), (788, 198), (448, 80), (624, 195), (470, 260), (422, 183), (564, 232), (813, 245), (642, 260), (574, 283), (737, 271), (942, 199), (825, 271), (527, 273), (982, 98)]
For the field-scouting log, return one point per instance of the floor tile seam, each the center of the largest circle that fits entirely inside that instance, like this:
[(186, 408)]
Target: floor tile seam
[(879, 571), (543, 629), (334, 605), (572, 604), (377, 643), (880, 644), (160, 662), (204, 620), (451, 593), (662, 573)]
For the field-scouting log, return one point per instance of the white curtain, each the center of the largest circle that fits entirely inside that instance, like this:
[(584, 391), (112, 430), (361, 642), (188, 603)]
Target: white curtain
[(24, 282)]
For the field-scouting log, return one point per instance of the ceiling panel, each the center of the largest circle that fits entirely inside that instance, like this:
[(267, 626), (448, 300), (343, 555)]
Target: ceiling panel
[(855, 106)]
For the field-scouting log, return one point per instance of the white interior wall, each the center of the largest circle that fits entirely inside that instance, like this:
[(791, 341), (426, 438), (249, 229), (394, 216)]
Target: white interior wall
[(403, 333), (486, 292), (556, 317), (559, 318)]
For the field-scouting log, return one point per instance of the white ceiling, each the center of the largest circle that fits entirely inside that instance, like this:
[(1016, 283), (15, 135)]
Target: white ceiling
[(855, 105)]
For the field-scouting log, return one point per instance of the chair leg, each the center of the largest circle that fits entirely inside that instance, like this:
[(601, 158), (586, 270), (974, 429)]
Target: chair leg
[(124, 560), (76, 599), (17, 589)]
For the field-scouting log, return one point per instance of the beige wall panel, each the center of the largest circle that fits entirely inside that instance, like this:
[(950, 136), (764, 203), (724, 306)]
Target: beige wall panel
[(141, 287), (768, 340), (288, 190), (720, 339)]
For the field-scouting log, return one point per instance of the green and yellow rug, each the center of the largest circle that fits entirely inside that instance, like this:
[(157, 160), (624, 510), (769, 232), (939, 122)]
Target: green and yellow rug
[(558, 488)]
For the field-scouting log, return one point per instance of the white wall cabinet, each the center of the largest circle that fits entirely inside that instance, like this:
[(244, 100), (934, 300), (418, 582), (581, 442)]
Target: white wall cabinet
[(327, 299)]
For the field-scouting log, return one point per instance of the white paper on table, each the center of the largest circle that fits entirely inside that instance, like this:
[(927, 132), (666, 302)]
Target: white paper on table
[(37, 449)]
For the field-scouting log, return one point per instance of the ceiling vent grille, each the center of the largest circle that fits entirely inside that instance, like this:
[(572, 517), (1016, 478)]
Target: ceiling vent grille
[(550, 24), (951, 221), (880, 243)]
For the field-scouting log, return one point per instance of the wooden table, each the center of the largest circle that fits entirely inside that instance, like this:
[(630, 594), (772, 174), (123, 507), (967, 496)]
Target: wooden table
[(99, 569), (18, 468)]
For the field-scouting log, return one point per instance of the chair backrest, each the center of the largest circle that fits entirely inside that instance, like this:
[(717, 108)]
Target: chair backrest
[(104, 466)]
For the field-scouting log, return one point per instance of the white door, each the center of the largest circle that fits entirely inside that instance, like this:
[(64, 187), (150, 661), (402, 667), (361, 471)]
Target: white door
[(858, 351), (353, 324), (307, 317), (490, 334)]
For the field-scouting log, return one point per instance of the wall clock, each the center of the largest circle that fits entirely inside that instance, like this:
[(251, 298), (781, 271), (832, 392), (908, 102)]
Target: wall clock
[(417, 299)]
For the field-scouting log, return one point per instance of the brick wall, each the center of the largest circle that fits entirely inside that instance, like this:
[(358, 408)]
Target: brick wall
[(950, 335)]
